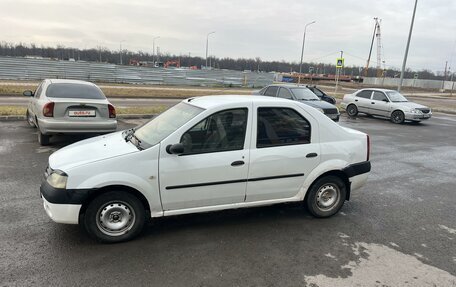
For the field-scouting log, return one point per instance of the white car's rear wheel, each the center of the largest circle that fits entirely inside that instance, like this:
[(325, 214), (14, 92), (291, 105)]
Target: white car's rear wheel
[(114, 217), (352, 110), (43, 139), (326, 196)]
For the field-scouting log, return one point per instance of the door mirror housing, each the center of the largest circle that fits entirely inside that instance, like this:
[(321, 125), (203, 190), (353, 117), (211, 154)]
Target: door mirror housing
[(28, 93), (175, 149), (385, 100)]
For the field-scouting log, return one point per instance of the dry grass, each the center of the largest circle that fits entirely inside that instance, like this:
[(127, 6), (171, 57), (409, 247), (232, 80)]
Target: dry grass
[(12, 111), (150, 110)]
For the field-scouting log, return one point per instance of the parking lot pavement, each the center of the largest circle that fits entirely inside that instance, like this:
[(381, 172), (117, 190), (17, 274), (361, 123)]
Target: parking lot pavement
[(398, 230)]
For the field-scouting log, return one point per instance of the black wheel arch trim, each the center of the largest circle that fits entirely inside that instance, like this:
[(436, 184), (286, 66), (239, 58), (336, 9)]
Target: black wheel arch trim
[(357, 168)]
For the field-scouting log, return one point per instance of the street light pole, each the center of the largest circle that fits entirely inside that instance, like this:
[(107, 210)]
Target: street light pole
[(153, 49), (302, 50), (407, 49), (120, 51), (207, 44)]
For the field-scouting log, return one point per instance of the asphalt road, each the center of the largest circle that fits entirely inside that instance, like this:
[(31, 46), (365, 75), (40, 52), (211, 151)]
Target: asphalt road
[(398, 230)]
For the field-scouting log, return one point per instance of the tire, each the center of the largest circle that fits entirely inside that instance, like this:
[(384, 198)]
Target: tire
[(397, 117), (352, 110), (114, 216), (326, 196), (30, 120), (43, 139)]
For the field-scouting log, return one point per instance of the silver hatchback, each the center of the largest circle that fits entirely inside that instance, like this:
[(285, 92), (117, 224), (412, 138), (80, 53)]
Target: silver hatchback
[(69, 107)]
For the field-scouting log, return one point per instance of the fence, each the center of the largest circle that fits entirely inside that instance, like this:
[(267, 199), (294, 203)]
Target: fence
[(12, 68), (417, 83)]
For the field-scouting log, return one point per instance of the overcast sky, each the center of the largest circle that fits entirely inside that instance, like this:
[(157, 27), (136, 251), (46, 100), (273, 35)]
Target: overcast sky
[(271, 30)]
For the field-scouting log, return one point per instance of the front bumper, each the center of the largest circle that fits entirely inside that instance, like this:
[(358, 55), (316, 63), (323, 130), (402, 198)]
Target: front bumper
[(63, 205), (53, 126), (334, 117), (415, 117)]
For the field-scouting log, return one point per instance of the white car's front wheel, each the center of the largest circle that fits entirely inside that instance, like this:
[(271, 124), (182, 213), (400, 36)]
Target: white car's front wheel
[(326, 196), (397, 117), (30, 119), (114, 217)]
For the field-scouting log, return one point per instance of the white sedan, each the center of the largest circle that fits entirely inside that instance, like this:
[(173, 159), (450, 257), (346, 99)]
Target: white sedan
[(206, 154)]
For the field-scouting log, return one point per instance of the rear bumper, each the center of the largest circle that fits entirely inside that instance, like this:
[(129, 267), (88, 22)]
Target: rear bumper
[(53, 126), (357, 174)]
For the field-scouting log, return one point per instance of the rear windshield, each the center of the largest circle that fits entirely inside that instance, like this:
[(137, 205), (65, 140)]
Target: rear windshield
[(71, 90)]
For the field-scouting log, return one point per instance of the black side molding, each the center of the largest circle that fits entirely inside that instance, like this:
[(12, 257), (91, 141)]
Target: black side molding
[(357, 168)]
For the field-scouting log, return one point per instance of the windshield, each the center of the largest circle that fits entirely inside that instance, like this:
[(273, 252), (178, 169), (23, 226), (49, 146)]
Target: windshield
[(396, 97), (304, 94), (74, 91), (166, 123)]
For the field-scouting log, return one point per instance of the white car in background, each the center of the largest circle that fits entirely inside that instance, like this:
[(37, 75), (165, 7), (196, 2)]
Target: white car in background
[(206, 154), (385, 103), (69, 107)]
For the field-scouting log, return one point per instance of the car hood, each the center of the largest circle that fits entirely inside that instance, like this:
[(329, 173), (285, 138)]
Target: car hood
[(319, 104), (91, 150), (410, 105)]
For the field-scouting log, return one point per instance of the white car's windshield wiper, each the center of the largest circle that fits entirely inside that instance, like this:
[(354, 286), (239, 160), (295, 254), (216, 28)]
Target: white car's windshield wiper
[(129, 135)]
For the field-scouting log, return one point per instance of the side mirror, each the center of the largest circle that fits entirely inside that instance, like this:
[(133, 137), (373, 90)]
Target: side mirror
[(385, 100), (28, 93), (175, 149)]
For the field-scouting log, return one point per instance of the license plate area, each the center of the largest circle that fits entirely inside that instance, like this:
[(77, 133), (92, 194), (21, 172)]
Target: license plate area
[(82, 113)]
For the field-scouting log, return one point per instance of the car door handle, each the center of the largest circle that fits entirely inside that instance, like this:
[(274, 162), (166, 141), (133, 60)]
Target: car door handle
[(356, 100), (312, 154), (237, 163), (373, 103)]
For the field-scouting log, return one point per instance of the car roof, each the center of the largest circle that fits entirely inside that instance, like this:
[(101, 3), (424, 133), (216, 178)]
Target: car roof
[(377, 89), (67, 81), (286, 85), (207, 102)]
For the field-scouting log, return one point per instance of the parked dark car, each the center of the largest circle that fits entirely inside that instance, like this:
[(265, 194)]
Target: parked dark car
[(322, 95), (302, 94)]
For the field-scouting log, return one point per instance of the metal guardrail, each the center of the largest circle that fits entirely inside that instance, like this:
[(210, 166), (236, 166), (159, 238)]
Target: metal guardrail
[(12, 68)]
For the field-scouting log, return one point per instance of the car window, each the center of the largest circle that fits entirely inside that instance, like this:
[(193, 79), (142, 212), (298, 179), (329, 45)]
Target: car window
[(317, 92), (285, 94), (304, 94), (261, 92), (76, 91), (379, 96), (364, 94), (271, 91), (281, 126), (222, 131), (39, 90)]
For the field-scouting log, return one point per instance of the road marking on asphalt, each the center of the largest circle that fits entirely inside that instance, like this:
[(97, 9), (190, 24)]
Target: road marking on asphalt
[(385, 266)]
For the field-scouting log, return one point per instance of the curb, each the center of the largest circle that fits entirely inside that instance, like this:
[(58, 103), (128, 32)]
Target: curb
[(120, 117)]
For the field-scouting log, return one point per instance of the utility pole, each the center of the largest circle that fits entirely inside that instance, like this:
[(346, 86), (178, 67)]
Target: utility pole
[(444, 76), (120, 51), (153, 50), (302, 50), (207, 44), (407, 48)]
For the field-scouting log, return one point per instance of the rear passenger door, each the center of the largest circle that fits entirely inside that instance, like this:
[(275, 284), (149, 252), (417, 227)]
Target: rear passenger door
[(283, 152), (362, 101)]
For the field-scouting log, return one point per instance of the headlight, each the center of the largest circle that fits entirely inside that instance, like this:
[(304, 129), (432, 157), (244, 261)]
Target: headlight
[(321, 110), (57, 179), (414, 111)]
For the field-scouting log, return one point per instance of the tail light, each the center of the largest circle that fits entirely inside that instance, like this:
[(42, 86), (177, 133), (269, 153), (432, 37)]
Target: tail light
[(48, 109), (112, 111), (368, 147)]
